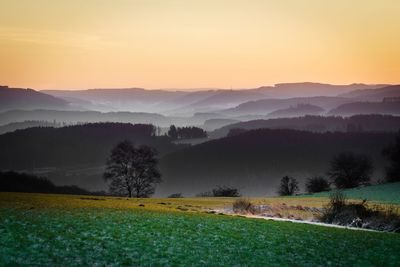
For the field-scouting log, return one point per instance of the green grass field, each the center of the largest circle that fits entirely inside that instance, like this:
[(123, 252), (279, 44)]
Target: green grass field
[(57, 230), (386, 193)]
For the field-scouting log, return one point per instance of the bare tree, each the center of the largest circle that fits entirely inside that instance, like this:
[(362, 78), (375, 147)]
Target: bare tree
[(317, 184), (349, 170), (289, 186), (392, 154), (132, 171)]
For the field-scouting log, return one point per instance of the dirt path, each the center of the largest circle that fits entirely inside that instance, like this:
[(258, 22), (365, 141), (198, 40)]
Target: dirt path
[(296, 221)]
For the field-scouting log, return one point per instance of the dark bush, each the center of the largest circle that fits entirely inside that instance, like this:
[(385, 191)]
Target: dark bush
[(205, 194), (175, 195), (317, 184), (338, 211), (225, 191), (337, 200), (243, 206)]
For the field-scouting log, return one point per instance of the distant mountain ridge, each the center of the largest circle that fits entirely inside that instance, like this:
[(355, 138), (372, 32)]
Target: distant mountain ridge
[(386, 106), (19, 98), (181, 102), (82, 117), (374, 94), (307, 89), (266, 106), (372, 123)]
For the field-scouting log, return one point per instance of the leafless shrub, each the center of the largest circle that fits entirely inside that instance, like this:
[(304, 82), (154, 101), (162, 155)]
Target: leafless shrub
[(382, 218), (243, 206)]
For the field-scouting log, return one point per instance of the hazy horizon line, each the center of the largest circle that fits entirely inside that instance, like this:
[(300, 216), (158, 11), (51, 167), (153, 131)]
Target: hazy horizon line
[(172, 89)]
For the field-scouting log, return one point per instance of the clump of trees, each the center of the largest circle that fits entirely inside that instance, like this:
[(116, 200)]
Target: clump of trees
[(225, 191), (348, 170), (221, 191), (132, 171), (288, 186), (392, 154), (186, 132), (317, 184), (176, 195)]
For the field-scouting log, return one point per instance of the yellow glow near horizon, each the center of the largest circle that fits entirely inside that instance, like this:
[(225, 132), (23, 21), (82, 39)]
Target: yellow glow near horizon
[(197, 44)]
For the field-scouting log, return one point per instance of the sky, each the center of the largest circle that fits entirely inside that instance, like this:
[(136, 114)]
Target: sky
[(76, 44)]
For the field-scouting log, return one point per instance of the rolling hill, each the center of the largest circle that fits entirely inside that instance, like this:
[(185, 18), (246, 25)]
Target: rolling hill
[(386, 193), (374, 94), (296, 111), (383, 107), (374, 123), (255, 161), (73, 154), (28, 99), (82, 117), (308, 89), (189, 101), (266, 106)]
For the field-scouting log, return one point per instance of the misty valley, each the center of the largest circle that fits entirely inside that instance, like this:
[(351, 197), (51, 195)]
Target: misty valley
[(113, 167)]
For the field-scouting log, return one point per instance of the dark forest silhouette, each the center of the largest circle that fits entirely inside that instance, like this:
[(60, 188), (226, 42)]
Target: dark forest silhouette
[(21, 182)]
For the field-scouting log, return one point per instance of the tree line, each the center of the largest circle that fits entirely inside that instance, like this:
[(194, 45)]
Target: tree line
[(133, 172), (347, 170), (21, 182), (190, 132)]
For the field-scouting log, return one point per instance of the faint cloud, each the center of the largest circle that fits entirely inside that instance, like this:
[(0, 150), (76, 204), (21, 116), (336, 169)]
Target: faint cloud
[(56, 38)]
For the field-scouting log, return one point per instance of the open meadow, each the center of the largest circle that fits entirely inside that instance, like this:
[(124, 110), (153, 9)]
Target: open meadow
[(59, 230)]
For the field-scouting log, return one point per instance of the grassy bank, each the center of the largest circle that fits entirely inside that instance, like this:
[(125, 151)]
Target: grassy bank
[(386, 193), (49, 230)]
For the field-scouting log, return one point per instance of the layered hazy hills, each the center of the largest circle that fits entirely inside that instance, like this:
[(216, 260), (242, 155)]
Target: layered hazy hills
[(73, 117), (374, 94), (387, 106), (350, 103), (266, 106), (296, 111), (288, 90), (120, 99), (182, 102), (372, 123), (19, 98)]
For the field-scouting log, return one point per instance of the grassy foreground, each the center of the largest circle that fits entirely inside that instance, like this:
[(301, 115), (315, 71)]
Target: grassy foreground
[(385, 193), (50, 230)]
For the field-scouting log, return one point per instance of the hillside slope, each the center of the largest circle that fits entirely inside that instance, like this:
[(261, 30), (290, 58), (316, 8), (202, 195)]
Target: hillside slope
[(256, 160), (383, 107), (296, 111), (374, 94), (28, 99), (389, 193), (375, 123)]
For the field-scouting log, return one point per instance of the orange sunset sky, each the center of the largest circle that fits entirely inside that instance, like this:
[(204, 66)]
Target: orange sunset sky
[(73, 44)]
